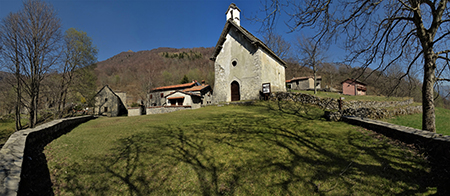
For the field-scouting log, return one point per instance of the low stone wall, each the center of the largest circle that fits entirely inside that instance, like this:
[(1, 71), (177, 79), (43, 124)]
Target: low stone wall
[(435, 146), (136, 111), (166, 109), (326, 103), (364, 109), (373, 113), (23, 150)]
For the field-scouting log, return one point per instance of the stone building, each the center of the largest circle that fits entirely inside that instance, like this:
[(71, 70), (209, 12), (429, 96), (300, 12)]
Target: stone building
[(108, 103), (243, 63), (195, 96), (303, 83), (157, 96), (353, 87)]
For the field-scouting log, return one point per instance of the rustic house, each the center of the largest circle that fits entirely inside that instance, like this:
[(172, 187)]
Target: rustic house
[(353, 87), (157, 96), (109, 103), (303, 83), (195, 97), (243, 63)]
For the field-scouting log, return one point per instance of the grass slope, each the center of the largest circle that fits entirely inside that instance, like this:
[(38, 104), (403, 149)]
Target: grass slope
[(276, 149), (7, 128), (415, 121)]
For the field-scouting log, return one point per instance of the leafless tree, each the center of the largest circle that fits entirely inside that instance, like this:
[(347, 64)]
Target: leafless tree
[(35, 34), (277, 44), (10, 51), (381, 33), (311, 54)]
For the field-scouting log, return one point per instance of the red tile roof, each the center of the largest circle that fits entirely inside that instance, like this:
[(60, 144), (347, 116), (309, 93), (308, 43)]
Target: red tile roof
[(187, 85), (195, 88)]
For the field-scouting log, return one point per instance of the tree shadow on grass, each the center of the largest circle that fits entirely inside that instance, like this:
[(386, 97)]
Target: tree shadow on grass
[(35, 175), (243, 153)]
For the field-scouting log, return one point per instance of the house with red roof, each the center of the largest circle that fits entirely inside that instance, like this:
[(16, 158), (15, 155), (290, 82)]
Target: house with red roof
[(191, 94)]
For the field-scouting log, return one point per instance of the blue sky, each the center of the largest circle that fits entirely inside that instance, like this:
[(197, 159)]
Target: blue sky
[(121, 25)]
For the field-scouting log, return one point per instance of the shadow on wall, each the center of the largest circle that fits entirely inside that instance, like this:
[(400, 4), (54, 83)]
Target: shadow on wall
[(35, 176), (288, 158)]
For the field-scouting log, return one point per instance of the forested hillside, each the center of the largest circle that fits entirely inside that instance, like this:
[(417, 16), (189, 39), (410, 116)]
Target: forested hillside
[(137, 72)]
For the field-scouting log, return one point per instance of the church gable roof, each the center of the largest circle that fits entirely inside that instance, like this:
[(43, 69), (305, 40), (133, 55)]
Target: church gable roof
[(254, 40)]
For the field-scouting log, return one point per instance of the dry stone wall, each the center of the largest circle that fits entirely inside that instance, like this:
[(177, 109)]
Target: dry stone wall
[(22, 162), (365, 109), (166, 109)]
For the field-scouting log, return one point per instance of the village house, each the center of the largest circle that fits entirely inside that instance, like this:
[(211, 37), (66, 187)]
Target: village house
[(195, 96), (303, 83), (157, 96), (109, 103), (353, 87), (244, 64), (190, 94)]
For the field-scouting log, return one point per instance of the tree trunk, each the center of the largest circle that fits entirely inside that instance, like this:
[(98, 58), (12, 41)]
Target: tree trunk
[(428, 116), (315, 88)]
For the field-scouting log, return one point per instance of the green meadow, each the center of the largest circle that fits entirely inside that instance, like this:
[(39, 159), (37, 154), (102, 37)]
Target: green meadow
[(270, 148), (415, 121)]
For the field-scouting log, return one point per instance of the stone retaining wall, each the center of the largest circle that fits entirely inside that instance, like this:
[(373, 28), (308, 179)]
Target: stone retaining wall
[(22, 150), (365, 109), (166, 109), (436, 147)]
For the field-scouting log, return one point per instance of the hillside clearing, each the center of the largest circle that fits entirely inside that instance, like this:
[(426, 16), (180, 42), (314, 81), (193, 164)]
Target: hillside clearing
[(231, 150), (415, 121)]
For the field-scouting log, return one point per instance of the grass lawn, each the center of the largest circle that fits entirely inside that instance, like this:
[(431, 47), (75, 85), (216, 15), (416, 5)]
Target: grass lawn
[(352, 98), (7, 128), (267, 149), (415, 121)]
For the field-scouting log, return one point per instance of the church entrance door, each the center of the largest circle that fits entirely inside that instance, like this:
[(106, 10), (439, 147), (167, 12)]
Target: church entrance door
[(235, 93)]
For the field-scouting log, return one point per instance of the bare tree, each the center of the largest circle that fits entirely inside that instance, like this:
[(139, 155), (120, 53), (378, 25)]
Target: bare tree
[(36, 36), (311, 54), (78, 53), (277, 44), (382, 33), (10, 51)]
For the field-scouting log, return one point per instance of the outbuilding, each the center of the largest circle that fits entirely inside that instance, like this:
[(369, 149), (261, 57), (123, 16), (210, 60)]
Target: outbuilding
[(353, 87), (303, 83)]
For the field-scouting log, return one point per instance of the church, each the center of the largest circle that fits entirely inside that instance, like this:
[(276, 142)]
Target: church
[(245, 68)]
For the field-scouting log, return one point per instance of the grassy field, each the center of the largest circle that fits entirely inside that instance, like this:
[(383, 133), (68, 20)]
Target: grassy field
[(352, 98), (415, 121), (276, 149), (7, 128)]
